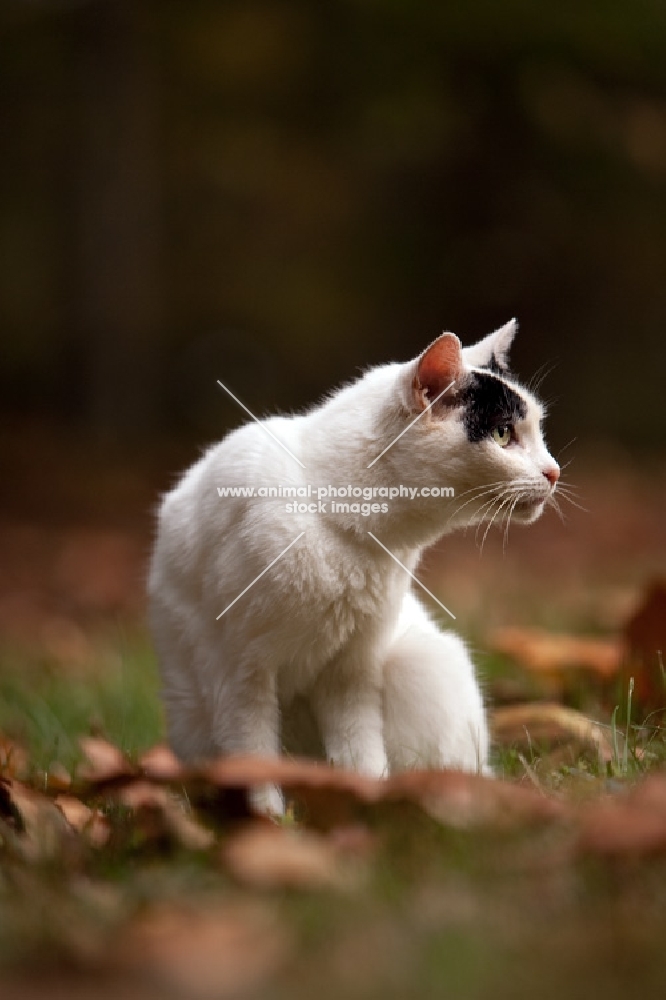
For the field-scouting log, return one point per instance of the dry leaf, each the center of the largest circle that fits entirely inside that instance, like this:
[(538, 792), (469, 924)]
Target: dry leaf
[(13, 759), (333, 797), (205, 954), (466, 800), (542, 723), (645, 635), (330, 796), (550, 653), (265, 855), (58, 778), (105, 763), (634, 824), (36, 828), (161, 764), (155, 803), (86, 821)]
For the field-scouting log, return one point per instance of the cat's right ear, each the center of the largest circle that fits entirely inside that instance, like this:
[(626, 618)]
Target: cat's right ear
[(437, 370)]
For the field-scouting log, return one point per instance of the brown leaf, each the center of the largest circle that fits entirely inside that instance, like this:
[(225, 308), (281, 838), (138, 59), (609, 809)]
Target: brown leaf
[(289, 772), (468, 800), (36, 828), (88, 822), (269, 856), (205, 954), (58, 778), (13, 759), (161, 764), (333, 797), (165, 815), (542, 723), (550, 653), (330, 796), (634, 824), (105, 763), (645, 634)]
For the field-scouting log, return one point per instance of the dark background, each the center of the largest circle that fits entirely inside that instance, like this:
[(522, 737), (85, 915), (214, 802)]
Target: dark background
[(278, 193)]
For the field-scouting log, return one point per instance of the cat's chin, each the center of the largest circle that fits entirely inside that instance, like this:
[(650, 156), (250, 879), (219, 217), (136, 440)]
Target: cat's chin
[(528, 511)]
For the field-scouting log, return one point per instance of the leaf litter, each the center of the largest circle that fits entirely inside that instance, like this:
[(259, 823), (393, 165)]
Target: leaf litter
[(63, 834)]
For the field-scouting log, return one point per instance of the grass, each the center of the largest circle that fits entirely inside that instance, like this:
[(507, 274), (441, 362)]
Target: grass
[(46, 707), (440, 912)]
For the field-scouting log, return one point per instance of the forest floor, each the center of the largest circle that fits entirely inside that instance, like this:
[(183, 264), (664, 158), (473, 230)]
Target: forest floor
[(122, 873)]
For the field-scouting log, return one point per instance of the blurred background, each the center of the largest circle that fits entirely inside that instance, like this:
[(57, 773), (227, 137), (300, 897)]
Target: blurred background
[(277, 193)]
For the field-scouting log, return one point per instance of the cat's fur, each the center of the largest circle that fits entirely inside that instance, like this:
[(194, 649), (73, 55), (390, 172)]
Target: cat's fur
[(334, 624)]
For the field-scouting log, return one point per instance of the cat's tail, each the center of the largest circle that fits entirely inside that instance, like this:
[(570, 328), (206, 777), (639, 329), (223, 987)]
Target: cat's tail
[(433, 709)]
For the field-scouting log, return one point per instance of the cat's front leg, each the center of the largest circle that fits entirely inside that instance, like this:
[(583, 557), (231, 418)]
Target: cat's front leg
[(348, 710), (246, 720)]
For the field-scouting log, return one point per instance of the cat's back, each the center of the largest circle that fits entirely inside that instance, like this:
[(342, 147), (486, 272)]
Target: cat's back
[(221, 490)]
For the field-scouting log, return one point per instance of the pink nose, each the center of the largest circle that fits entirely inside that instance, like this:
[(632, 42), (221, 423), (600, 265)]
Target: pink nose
[(552, 474)]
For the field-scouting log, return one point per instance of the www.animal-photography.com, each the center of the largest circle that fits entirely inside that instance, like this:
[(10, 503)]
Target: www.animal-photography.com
[(333, 577)]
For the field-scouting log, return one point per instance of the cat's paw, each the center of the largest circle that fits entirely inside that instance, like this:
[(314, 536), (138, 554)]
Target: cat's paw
[(268, 801)]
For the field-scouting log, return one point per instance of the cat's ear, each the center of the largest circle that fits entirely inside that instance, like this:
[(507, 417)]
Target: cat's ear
[(493, 351), (436, 370)]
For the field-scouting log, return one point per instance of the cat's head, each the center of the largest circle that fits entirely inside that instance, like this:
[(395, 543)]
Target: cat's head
[(486, 426)]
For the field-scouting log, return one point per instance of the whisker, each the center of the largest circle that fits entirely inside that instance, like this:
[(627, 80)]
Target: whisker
[(506, 500), (552, 502), (479, 495), (509, 515), (567, 445), (573, 503), (541, 374), (485, 511)]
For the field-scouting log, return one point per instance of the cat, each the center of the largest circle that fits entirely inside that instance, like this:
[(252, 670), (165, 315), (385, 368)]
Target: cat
[(261, 607)]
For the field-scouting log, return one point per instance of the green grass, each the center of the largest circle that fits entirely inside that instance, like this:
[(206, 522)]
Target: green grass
[(46, 706), (439, 912)]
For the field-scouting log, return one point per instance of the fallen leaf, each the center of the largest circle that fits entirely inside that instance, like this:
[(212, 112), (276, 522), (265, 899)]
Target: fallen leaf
[(205, 954), (333, 797), (86, 821), (104, 762), (13, 759), (161, 764), (330, 796), (542, 723), (159, 804), (645, 635), (550, 653), (470, 800), (265, 855), (58, 778), (33, 825), (633, 824)]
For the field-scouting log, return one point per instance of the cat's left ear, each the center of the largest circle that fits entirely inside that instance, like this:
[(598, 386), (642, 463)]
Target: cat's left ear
[(493, 351), (436, 371)]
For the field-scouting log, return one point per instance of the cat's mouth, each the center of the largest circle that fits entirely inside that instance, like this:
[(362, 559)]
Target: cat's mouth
[(529, 509)]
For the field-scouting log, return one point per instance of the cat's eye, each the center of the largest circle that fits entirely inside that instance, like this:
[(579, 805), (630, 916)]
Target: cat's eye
[(502, 434)]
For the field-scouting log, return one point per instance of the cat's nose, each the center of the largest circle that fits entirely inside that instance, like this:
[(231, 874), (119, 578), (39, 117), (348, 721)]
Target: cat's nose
[(552, 473)]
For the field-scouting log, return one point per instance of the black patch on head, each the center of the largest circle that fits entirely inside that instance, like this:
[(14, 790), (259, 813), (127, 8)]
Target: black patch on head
[(488, 402), (496, 366)]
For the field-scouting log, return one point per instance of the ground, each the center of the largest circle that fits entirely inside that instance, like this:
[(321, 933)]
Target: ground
[(122, 874)]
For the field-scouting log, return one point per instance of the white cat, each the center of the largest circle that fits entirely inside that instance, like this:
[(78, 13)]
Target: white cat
[(331, 622)]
